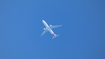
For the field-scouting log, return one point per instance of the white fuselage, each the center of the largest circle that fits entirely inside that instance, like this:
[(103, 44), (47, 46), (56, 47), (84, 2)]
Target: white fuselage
[(47, 27)]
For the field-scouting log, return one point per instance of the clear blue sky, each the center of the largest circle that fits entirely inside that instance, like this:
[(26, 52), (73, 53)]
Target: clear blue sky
[(82, 35)]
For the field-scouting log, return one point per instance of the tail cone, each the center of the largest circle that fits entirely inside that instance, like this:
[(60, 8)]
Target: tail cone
[(54, 35)]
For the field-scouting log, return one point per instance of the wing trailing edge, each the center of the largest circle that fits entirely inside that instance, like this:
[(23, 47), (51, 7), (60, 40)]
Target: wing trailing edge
[(54, 26), (43, 32)]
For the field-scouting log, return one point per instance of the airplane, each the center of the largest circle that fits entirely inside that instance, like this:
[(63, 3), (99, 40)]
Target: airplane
[(49, 28)]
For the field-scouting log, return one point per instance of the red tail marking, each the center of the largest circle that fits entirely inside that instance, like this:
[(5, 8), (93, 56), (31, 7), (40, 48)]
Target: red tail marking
[(54, 34)]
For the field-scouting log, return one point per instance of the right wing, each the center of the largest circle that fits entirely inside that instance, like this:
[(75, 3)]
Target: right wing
[(55, 26), (43, 32)]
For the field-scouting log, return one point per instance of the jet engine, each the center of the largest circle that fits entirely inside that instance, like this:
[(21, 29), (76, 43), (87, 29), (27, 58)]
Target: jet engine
[(50, 25), (44, 28)]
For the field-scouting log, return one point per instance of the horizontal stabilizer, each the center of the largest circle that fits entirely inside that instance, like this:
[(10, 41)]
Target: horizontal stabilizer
[(54, 36)]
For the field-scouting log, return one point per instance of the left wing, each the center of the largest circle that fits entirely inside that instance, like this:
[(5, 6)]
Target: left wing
[(43, 32), (54, 26)]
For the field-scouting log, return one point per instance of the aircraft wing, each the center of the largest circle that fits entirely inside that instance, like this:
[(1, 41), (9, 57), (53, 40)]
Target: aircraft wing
[(55, 26), (43, 32)]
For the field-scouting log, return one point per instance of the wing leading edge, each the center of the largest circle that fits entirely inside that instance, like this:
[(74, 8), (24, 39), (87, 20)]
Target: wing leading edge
[(43, 32), (54, 26)]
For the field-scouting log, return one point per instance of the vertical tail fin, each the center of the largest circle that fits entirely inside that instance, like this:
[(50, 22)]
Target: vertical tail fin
[(54, 36)]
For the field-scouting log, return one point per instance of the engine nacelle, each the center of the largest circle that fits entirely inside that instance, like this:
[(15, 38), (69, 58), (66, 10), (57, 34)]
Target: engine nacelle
[(44, 28), (50, 25)]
